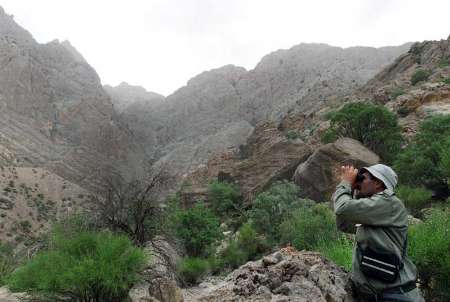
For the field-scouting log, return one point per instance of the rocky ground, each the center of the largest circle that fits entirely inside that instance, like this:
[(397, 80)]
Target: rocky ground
[(287, 275)]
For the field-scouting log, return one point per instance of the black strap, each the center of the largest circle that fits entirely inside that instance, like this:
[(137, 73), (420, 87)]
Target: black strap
[(402, 288)]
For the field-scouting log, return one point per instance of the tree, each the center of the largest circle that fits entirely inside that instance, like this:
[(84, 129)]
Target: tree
[(374, 126), (197, 227), (425, 161), (131, 207)]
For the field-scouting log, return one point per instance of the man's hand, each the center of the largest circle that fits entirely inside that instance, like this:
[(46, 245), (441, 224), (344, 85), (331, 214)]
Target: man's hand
[(348, 173)]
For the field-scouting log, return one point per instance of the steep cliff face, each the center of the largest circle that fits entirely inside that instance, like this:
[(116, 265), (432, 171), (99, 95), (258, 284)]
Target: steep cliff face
[(53, 107), (299, 79)]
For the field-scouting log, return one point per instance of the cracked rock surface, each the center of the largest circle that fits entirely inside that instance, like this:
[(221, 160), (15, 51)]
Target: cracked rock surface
[(286, 275)]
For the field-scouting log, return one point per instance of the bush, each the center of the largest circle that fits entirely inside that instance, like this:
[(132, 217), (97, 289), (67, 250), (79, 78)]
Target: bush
[(250, 242), (81, 266), (193, 269), (292, 135), (420, 75), (429, 244), (8, 262), (308, 226), (225, 199), (231, 257), (339, 251), (374, 126), (414, 198), (396, 92), (446, 80), (272, 207), (248, 245), (421, 162), (443, 62), (198, 228)]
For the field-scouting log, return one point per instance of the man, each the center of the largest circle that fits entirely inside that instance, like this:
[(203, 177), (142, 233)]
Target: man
[(366, 203)]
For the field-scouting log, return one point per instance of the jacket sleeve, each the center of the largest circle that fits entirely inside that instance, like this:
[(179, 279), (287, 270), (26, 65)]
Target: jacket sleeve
[(378, 210)]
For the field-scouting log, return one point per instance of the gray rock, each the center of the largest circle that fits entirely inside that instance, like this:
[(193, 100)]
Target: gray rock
[(6, 203), (319, 175), (314, 279)]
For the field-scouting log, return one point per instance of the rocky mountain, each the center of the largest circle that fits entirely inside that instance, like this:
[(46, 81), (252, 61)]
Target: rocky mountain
[(54, 111), (132, 98), (300, 80), (415, 86)]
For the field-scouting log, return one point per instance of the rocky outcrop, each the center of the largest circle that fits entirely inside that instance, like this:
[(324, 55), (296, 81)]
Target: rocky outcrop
[(393, 88), (318, 176), (287, 275), (267, 156)]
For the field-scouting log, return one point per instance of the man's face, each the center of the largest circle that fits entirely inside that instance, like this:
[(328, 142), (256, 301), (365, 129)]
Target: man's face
[(368, 187)]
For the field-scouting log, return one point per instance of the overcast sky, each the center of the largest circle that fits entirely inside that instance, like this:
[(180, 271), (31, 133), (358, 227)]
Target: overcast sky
[(161, 44)]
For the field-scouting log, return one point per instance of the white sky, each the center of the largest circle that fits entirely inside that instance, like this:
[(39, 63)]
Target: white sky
[(161, 44)]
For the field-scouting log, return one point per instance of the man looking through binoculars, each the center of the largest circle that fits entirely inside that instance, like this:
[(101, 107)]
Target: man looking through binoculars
[(365, 203)]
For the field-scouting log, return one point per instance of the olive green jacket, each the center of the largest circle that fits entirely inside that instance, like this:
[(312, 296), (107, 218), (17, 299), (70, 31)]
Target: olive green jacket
[(383, 224)]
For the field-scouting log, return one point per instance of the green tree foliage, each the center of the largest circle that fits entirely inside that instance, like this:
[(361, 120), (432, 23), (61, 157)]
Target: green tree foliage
[(225, 199), (82, 266), (192, 269), (198, 228), (308, 226), (374, 126), (429, 245), (423, 162), (272, 207), (420, 75), (414, 198)]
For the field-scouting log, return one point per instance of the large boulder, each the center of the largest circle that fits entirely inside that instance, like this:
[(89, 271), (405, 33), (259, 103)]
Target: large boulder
[(286, 275), (319, 175)]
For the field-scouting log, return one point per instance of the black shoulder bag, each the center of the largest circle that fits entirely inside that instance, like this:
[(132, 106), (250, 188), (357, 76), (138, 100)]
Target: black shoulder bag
[(383, 266)]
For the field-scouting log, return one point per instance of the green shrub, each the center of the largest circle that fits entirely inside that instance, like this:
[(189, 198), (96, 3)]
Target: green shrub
[(414, 198), (225, 199), (248, 245), (198, 228), (250, 242), (374, 126), (81, 266), (446, 80), (292, 135), (339, 251), (443, 62), (231, 257), (429, 245), (403, 111), (308, 226), (420, 163), (193, 269), (8, 262), (272, 207), (420, 75), (396, 92)]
